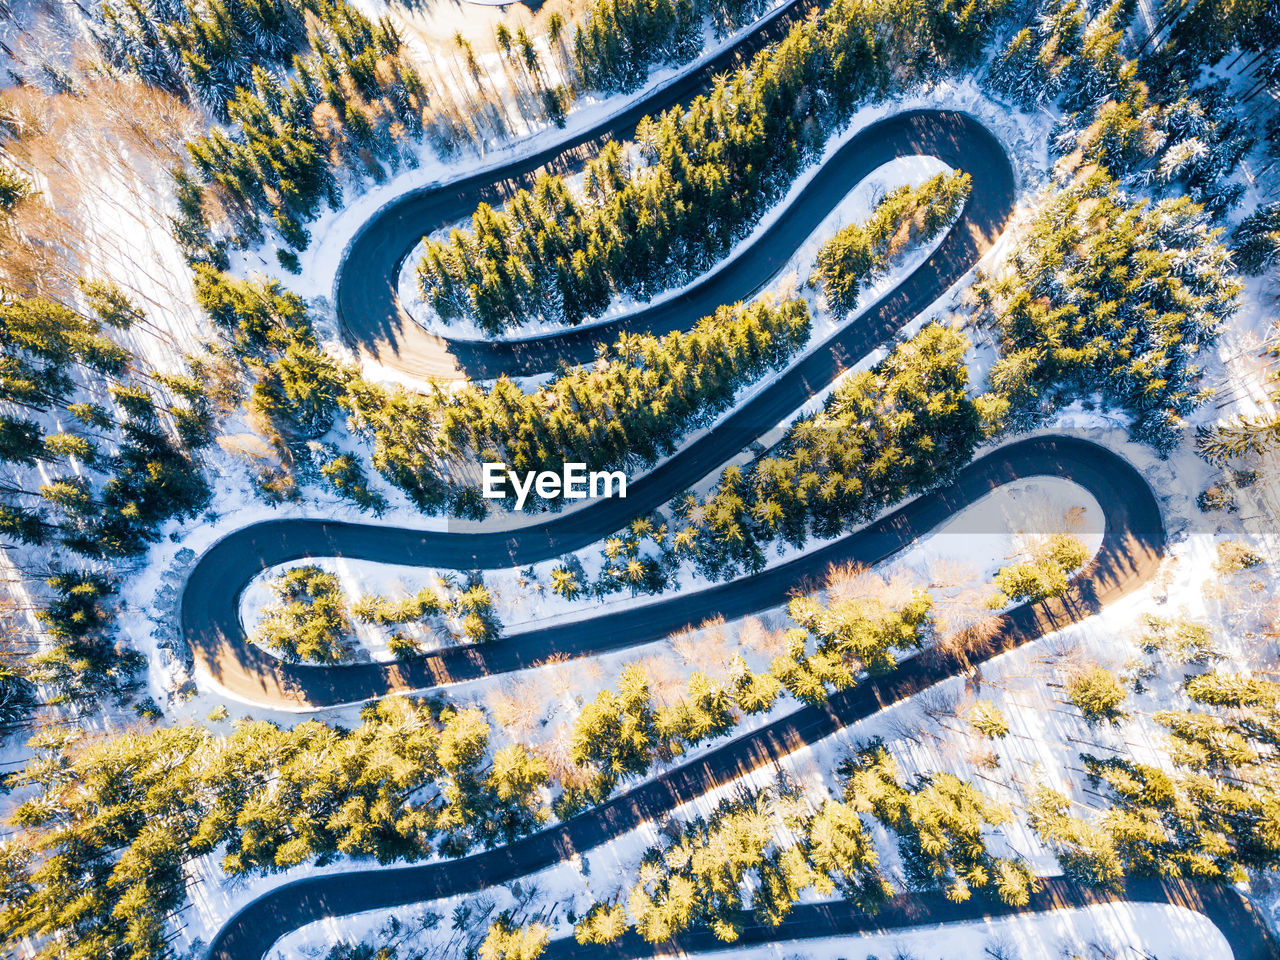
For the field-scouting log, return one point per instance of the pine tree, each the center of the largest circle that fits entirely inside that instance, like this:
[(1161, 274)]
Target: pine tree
[(1255, 243), (603, 923), (616, 734), (308, 621), (14, 188), (861, 253), (1070, 327), (507, 942), (939, 819), (1098, 694)]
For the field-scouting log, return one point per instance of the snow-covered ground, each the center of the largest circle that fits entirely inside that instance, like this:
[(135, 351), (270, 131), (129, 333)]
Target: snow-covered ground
[(1021, 134), (539, 704), (1119, 931), (154, 592), (1047, 733), (124, 239)]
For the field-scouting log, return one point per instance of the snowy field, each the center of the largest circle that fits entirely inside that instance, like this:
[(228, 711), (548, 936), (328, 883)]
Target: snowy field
[(153, 594), (151, 597), (1119, 931), (544, 701), (1047, 733), (929, 733)]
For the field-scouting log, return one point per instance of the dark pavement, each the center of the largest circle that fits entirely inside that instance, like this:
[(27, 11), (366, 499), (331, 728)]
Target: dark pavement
[(1132, 547)]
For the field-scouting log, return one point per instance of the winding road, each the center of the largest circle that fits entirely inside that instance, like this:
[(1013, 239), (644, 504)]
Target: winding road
[(1133, 543), (367, 304), (1244, 930), (1132, 546), (210, 608), (369, 310)]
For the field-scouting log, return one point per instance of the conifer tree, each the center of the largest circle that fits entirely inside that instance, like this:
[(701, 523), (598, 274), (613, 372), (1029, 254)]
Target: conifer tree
[(939, 819), (1098, 694), (308, 621)]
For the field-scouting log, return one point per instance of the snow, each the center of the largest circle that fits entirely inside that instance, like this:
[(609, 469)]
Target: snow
[(981, 539), (126, 236), (1042, 746), (559, 689), (154, 590), (1047, 734), (539, 702), (1117, 931), (333, 231), (1020, 132), (1044, 740)]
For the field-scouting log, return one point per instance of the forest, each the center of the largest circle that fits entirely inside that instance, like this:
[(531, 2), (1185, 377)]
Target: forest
[(1129, 261), (702, 176), (630, 409), (189, 791)]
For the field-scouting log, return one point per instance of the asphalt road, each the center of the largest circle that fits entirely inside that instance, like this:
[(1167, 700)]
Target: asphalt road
[(368, 307), (374, 322), (1133, 544), (210, 615)]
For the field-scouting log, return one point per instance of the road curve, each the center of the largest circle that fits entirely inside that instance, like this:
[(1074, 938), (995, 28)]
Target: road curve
[(956, 139), (210, 608), (1132, 545), (368, 306)]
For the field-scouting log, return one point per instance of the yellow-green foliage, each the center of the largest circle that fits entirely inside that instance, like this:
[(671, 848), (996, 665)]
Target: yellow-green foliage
[(1053, 560), (1098, 694), (309, 622), (1234, 556), (860, 253), (939, 819)]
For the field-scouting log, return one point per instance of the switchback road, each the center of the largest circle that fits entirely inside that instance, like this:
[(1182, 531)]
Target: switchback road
[(1132, 546), (368, 306), (210, 607), (374, 321), (1133, 542)]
